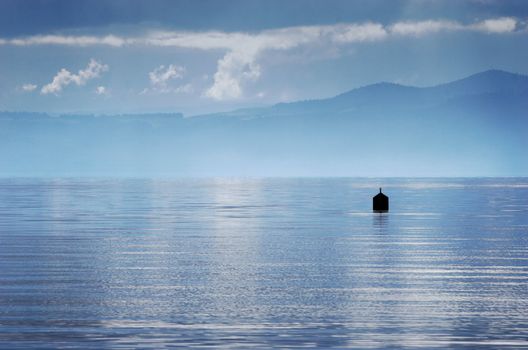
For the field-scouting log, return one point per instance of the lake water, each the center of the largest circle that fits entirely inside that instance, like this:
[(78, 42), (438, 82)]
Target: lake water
[(245, 263)]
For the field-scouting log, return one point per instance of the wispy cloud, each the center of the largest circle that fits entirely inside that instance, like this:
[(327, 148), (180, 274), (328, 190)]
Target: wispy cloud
[(28, 87), (68, 40), (64, 77), (161, 77), (239, 63), (423, 27), (102, 90), (358, 33), (282, 38), (497, 25)]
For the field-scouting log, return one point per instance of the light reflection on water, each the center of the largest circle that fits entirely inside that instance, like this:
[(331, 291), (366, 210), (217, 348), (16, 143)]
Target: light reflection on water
[(93, 263)]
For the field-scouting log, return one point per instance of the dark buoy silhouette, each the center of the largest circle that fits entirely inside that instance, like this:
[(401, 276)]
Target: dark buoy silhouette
[(380, 202)]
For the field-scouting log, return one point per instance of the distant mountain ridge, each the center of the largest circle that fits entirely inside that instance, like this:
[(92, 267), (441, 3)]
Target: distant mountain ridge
[(476, 126), (484, 83)]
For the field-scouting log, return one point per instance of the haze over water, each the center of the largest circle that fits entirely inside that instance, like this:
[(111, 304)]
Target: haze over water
[(91, 263)]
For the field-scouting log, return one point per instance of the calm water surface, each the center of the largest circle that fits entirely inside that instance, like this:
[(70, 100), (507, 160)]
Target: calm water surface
[(240, 263)]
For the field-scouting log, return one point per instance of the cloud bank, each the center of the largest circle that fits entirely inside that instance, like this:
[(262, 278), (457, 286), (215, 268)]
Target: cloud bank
[(239, 63)]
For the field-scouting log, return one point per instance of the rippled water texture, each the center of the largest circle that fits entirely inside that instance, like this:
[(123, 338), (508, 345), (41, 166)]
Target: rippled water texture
[(263, 262)]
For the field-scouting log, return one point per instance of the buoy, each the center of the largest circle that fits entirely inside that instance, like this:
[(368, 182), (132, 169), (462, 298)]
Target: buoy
[(380, 202)]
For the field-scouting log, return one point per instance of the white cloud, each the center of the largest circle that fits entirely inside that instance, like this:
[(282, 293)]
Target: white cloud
[(29, 87), (283, 38), (497, 25), (359, 33), (239, 63), (160, 76), (101, 90), (84, 40), (423, 27), (233, 69), (64, 77)]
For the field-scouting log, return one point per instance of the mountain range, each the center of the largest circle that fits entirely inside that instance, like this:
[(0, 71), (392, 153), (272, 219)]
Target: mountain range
[(484, 89), (476, 126)]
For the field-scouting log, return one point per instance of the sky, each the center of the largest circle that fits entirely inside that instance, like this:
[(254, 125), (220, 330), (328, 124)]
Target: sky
[(105, 57)]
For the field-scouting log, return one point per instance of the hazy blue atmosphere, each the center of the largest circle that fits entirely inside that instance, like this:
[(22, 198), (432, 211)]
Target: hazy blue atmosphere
[(476, 126), (243, 174), (114, 88), (210, 56)]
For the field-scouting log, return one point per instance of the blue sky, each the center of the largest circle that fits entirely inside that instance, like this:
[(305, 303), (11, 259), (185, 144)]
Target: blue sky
[(205, 56)]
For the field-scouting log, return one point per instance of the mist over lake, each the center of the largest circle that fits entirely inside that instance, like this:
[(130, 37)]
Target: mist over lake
[(471, 127)]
